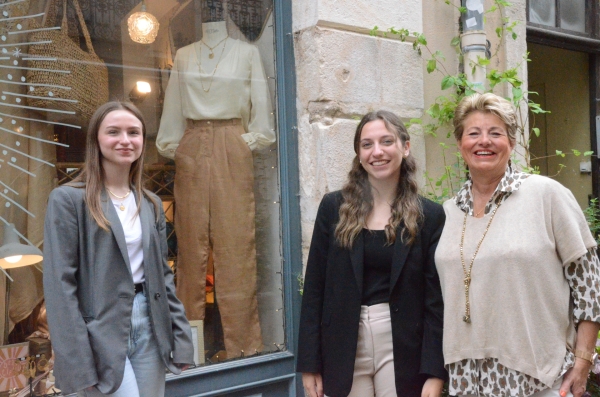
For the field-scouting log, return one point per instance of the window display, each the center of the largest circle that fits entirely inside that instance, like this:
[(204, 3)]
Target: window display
[(206, 87)]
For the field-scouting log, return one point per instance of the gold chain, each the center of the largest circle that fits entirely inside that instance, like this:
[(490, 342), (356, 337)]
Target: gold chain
[(212, 76), (122, 206), (479, 213), (212, 54), (119, 197), (467, 274)]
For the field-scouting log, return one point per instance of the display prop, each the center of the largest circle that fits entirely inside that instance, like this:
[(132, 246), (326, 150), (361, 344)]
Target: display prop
[(198, 340), (211, 139), (65, 80), (11, 368)]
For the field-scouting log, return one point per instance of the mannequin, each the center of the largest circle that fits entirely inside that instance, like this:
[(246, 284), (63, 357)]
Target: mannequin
[(217, 110)]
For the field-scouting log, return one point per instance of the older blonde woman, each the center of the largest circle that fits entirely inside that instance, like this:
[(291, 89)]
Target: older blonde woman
[(518, 270)]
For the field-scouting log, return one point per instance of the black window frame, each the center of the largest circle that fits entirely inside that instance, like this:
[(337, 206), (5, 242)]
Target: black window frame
[(591, 21)]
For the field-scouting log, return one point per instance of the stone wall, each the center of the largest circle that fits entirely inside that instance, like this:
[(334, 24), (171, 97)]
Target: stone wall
[(343, 72)]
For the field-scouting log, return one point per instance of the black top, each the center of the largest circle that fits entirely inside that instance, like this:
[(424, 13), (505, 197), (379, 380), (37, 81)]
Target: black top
[(377, 268)]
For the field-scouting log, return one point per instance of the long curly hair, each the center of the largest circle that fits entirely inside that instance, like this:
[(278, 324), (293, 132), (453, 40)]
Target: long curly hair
[(358, 198)]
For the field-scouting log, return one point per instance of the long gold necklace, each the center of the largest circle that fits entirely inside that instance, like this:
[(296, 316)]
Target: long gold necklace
[(212, 53), (121, 207), (212, 76), (467, 274)]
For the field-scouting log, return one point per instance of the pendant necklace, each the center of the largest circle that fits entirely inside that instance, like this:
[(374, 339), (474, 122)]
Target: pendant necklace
[(467, 274), (211, 55), (212, 76), (121, 207)]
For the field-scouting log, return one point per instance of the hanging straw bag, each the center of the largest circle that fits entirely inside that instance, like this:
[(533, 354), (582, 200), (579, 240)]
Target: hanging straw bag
[(70, 83)]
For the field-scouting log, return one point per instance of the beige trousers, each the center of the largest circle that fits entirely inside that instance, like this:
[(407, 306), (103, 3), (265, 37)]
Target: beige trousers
[(214, 200), (374, 363)]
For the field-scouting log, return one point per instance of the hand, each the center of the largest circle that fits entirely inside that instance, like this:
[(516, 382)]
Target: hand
[(575, 380), (432, 387), (313, 384), (183, 367)]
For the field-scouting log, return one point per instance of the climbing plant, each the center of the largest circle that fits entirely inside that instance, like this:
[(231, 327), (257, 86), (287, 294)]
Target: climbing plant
[(455, 86)]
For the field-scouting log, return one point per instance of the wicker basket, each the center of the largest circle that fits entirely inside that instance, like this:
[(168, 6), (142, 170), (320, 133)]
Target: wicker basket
[(72, 82)]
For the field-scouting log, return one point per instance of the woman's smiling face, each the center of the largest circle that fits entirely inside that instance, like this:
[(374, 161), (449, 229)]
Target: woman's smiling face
[(484, 144), (381, 152)]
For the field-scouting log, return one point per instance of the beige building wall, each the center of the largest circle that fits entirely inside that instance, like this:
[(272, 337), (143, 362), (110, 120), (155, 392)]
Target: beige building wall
[(343, 72), (441, 24)]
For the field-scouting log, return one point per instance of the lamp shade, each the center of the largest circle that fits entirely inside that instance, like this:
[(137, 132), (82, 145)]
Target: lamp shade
[(14, 254), (142, 26)]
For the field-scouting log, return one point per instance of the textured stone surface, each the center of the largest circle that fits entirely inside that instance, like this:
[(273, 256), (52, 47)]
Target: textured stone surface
[(358, 15), (342, 74)]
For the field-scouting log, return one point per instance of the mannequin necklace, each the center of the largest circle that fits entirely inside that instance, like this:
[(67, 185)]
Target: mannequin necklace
[(211, 55), (121, 207), (212, 76), (467, 273)]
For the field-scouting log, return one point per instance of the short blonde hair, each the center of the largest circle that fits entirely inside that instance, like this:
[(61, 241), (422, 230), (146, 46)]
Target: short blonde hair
[(487, 103)]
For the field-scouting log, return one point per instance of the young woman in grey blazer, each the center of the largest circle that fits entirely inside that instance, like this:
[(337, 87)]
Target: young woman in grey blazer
[(115, 322)]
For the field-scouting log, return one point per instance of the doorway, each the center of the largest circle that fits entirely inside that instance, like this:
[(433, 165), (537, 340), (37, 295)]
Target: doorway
[(562, 80)]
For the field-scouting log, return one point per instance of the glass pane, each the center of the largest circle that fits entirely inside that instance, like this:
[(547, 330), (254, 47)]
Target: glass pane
[(542, 12), (572, 15), (205, 84)]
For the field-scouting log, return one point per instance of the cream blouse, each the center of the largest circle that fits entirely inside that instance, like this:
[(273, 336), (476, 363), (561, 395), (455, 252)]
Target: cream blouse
[(237, 90)]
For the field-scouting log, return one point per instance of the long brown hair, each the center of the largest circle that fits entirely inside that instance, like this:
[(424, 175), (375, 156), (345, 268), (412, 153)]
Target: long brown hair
[(358, 198), (91, 176)]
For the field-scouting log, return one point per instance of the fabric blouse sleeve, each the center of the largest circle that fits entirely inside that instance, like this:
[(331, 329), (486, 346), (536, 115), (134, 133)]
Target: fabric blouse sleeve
[(172, 122), (572, 236), (309, 340), (260, 126), (61, 264), (583, 275)]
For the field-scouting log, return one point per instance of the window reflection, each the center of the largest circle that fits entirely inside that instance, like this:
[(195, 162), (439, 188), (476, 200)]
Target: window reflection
[(572, 15), (141, 73), (543, 12)]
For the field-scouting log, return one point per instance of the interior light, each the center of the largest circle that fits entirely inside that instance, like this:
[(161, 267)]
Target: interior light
[(142, 26)]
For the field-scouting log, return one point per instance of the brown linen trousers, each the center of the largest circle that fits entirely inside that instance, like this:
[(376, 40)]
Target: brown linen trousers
[(215, 210)]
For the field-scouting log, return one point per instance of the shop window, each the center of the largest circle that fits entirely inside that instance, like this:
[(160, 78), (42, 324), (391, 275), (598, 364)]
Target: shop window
[(206, 87)]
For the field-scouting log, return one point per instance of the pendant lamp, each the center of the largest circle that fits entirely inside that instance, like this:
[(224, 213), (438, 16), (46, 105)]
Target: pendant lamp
[(14, 254), (143, 26)]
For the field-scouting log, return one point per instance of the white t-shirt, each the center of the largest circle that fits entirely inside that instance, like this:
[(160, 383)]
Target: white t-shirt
[(133, 234)]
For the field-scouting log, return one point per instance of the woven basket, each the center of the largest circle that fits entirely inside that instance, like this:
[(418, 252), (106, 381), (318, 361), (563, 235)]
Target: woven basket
[(74, 80)]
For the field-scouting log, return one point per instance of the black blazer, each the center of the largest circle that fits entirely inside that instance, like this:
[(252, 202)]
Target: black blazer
[(332, 296)]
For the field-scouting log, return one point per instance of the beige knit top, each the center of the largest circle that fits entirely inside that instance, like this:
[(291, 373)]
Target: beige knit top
[(519, 295)]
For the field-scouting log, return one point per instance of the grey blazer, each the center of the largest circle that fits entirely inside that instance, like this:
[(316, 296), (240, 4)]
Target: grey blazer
[(89, 292)]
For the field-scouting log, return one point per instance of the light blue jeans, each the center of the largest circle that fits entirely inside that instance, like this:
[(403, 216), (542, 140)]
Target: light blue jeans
[(144, 370)]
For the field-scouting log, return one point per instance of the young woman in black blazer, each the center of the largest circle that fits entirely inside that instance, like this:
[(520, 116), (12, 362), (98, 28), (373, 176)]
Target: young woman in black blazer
[(371, 321)]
